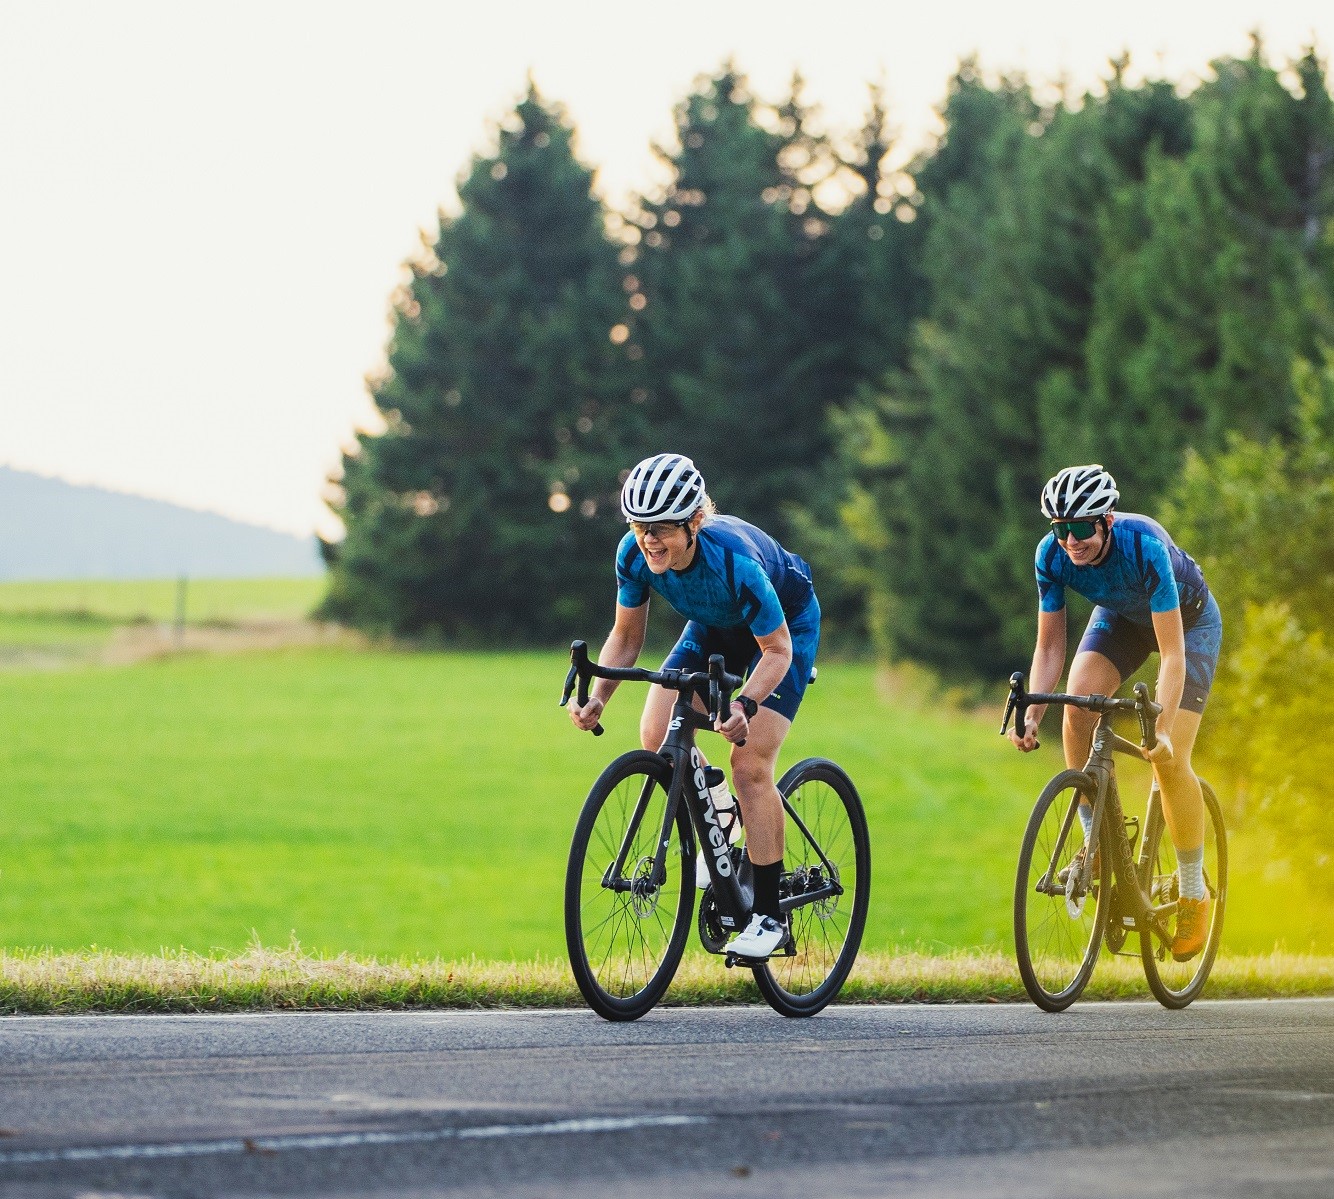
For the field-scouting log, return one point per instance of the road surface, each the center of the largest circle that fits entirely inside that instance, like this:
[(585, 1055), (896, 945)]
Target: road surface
[(1226, 1098)]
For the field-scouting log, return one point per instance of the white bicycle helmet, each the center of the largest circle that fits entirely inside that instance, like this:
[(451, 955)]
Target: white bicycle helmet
[(664, 487), (1079, 492)]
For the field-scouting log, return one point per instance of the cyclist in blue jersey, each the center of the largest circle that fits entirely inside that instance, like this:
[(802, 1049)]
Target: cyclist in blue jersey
[(1149, 596), (743, 596)]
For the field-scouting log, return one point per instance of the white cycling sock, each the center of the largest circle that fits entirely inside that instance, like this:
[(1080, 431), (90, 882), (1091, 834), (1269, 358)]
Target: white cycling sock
[(1190, 872), (1086, 819)]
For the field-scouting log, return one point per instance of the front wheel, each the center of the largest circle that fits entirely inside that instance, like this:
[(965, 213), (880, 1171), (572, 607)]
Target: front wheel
[(823, 813), (1175, 984), (1058, 923), (626, 926)]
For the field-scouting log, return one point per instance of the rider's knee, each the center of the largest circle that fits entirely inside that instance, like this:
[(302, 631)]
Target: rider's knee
[(1176, 773), (652, 728), (652, 732), (751, 774), (1078, 722)]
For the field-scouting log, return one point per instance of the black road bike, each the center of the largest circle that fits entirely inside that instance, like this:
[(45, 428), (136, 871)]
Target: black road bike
[(1067, 903), (630, 884)]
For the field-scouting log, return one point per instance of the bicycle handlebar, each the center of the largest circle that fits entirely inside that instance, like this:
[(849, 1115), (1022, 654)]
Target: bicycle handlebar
[(714, 685), (1141, 705)]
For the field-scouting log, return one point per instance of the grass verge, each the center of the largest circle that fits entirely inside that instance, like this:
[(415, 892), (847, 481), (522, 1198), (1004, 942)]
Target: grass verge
[(47, 983)]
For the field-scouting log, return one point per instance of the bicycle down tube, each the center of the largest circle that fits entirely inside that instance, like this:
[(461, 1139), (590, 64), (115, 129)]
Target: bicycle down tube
[(1107, 810), (733, 898)]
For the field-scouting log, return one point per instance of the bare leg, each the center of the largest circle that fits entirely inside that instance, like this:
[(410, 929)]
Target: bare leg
[(753, 769), (1183, 801), (1091, 673), (657, 715)]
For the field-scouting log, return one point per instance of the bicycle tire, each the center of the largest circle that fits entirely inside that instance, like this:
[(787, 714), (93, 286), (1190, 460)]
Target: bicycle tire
[(625, 945), (1176, 984), (826, 933), (1055, 948)]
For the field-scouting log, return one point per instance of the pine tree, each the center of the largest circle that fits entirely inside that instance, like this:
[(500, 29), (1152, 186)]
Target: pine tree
[(1012, 253), (485, 509), (1205, 303), (736, 374)]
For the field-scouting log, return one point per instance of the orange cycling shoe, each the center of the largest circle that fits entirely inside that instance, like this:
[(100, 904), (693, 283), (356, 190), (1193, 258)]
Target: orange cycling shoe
[(1192, 928)]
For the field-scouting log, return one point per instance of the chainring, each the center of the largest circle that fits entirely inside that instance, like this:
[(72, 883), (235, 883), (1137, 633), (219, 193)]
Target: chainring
[(712, 935)]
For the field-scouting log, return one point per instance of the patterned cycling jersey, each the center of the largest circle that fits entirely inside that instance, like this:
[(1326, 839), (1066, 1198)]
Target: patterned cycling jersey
[(739, 576), (1142, 573)]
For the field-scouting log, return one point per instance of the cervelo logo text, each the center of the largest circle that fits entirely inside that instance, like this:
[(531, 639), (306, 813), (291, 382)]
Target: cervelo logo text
[(722, 860)]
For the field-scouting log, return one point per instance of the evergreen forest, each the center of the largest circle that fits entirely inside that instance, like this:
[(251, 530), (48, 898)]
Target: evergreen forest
[(879, 359)]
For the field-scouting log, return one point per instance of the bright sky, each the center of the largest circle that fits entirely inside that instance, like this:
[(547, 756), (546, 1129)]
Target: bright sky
[(204, 207)]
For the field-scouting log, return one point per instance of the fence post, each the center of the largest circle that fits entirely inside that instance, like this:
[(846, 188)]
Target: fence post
[(180, 609)]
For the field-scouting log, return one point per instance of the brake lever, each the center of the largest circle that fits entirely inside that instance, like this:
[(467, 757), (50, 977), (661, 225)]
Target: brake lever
[(1148, 731), (579, 672), (717, 695)]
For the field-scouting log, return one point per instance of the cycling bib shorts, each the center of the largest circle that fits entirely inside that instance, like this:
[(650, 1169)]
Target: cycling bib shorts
[(1127, 645), (699, 642)]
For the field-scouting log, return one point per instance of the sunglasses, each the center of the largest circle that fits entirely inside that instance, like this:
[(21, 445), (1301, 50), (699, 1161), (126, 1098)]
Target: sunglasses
[(1081, 530), (661, 529)]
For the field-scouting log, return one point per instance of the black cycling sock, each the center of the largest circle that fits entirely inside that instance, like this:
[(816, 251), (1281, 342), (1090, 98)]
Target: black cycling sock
[(766, 889)]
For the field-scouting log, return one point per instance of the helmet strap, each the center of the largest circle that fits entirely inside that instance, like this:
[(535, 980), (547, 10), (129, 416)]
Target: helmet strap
[(1106, 542)]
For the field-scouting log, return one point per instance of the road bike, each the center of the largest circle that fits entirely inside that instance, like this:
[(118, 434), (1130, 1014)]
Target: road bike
[(630, 883), (1067, 903)]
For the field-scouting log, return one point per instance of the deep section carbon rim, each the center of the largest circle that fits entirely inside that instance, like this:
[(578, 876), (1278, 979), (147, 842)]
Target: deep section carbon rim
[(1057, 929), (827, 932), (1175, 984), (625, 932)]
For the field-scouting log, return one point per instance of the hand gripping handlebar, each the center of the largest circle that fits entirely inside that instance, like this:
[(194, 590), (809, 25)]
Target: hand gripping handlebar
[(715, 685), (1143, 707)]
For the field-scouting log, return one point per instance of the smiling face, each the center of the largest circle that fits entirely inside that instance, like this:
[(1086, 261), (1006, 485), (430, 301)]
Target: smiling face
[(1088, 550), (667, 545)]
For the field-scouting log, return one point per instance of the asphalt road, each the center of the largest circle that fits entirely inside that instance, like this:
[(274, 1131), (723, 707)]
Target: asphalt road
[(1106, 1099)]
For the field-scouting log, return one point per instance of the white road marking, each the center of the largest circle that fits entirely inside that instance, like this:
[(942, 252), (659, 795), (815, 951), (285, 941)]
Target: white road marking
[(342, 1140)]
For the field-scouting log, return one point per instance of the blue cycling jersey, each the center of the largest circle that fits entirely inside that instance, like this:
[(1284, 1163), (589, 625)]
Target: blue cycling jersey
[(739, 576), (1143, 572)]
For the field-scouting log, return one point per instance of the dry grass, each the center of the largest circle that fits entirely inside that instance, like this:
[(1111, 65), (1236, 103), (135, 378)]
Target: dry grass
[(141, 643), (266, 980)]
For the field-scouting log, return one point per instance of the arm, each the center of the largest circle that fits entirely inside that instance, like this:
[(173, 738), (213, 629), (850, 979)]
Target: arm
[(1043, 674), (621, 648), (1171, 635), (775, 661)]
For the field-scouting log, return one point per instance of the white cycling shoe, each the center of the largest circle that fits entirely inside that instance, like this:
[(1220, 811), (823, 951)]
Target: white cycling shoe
[(762, 936)]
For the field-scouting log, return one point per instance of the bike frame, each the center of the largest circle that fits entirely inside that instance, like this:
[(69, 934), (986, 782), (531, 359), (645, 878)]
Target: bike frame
[(1101, 768), (733, 895), (1130, 873)]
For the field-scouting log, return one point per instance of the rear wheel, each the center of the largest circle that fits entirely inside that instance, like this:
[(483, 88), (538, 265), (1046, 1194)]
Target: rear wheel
[(1058, 924), (1175, 984), (625, 932), (822, 808)]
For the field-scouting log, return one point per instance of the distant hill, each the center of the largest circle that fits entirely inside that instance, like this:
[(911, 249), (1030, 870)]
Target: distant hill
[(50, 529)]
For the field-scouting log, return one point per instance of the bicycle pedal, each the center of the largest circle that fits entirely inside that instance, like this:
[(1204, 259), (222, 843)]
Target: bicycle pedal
[(736, 959)]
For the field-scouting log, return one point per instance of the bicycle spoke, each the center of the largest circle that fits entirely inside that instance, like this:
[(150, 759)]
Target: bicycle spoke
[(827, 931), (1057, 935), (1175, 984), (625, 939)]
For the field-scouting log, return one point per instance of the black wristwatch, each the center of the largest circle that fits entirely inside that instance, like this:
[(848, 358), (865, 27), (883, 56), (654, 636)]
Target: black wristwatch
[(748, 705)]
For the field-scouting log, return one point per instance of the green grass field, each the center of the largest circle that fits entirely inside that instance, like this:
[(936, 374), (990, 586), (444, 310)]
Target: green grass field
[(119, 601), (420, 804), (46, 626)]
